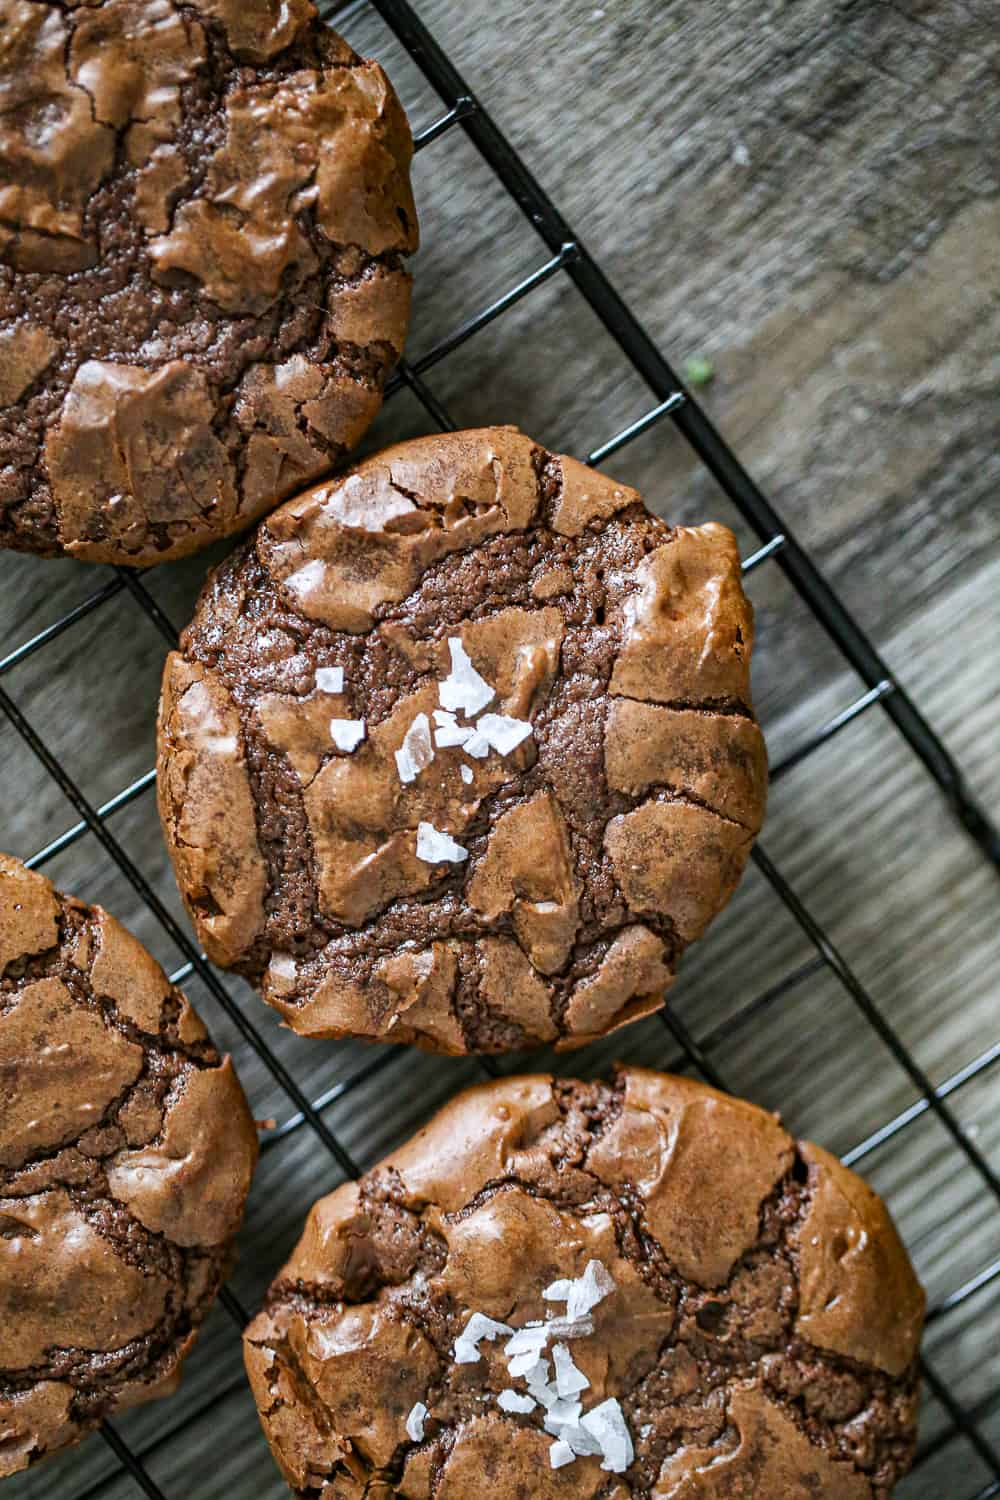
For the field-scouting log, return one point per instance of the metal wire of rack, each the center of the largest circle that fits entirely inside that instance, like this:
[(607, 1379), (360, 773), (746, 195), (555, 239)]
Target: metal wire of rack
[(567, 256)]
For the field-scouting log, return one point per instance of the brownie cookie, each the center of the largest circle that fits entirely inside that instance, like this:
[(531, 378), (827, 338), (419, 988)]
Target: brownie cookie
[(458, 749), (126, 1151), (637, 1289), (204, 205)]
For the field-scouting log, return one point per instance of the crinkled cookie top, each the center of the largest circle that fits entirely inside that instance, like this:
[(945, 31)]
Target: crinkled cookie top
[(203, 212), (126, 1151), (459, 749), (643, 1290)]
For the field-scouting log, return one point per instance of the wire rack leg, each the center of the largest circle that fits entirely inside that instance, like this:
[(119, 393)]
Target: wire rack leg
[(129, 1461)]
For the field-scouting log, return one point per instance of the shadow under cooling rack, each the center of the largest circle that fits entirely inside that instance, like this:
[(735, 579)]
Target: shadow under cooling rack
[(561, 254)]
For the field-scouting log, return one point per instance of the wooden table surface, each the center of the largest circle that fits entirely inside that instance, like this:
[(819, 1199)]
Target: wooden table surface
[(806, 195)]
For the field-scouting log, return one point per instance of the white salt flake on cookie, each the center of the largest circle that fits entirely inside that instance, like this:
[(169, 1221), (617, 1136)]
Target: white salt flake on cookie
[(601, 1432), (466, 773), (606, 1424), (560, 1453), (502, 733), (583, 1293), (562, 1414), (347, 734), (569, 1379), (415, 1423), (581, 1441), (433, 846), (564, 1420), (509, 1400), (463, 689), (478, 1327), (527, 1340), (538, 1384), (448, 735), (477, 745), (330, 679), (528, 1366), (416, 752)]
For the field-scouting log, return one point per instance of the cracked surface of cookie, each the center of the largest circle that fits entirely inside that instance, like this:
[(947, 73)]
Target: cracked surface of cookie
[(205, 208), (756, 1319), (458, 750), (126, 1152)]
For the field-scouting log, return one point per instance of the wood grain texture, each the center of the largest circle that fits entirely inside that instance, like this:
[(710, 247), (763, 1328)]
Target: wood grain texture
[(807, 196)]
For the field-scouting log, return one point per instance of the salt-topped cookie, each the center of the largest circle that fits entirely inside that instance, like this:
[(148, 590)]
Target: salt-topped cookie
[(459, 749), (636, 1290)]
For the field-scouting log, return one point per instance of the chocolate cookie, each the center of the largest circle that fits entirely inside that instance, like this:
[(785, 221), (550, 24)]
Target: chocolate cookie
[(204, 205), (639, 1289), (126, 1151), (458, 750)]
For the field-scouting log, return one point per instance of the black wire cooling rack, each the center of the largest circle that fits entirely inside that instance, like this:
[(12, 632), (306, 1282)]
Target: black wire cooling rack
[(670, 401)]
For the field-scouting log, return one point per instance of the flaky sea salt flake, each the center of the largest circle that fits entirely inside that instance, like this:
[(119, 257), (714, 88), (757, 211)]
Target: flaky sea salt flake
[(416, 752), (450, 735), (463, 689), (536, 1375), (477, 745), (560, 1453), (330, 679), (503, 733), (478, 1327), (415, 1423), (558, 1291), (347, 734), (569, 1379), (538, 1386), (527, 1340), (589, 1289), (522, 1366), (466, 773), (606, 1424), (581, 1293), (583, 1444), (433, 846), (512, 1401), (561, 1414)]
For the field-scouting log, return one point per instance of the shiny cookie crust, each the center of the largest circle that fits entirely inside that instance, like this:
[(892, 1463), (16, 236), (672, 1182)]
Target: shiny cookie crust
[(761, 1337), (585, 857), (126, 1152), (204, 213)]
